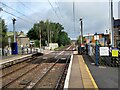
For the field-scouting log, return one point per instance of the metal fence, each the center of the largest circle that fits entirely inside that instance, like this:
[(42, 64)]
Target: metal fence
[(106, 60)]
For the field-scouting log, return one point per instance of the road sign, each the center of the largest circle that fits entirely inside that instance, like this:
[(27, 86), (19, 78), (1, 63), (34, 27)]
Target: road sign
[(104, 51), (115, 53)]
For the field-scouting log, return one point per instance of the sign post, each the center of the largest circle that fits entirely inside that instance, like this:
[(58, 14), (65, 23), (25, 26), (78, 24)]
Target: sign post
[(96, 37)]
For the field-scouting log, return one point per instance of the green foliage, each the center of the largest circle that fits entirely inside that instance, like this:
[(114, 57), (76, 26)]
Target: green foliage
[(59, 48), (37, 43), (63, 39), (50, 32), (3, 33)]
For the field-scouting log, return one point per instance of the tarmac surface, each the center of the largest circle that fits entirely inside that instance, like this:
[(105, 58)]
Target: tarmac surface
[(105, 77)]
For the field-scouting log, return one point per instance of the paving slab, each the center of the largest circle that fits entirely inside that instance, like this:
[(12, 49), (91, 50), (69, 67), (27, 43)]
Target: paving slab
[(80, 76), (75, 77)]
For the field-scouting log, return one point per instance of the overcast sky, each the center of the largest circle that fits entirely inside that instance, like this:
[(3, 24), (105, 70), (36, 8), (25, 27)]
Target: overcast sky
[(95, 15)]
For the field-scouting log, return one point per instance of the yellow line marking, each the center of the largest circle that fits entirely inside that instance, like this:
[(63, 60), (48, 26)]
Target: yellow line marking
[(88, 72)]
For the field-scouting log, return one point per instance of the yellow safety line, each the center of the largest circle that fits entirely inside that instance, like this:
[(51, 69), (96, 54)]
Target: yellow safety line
[(90, 75), (93, 81)]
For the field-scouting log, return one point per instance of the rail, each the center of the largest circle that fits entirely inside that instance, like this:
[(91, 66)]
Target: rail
[(33, 85), (62, 75)]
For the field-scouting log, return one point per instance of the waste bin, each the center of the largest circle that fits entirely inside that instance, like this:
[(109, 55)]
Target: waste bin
[(14, 48)]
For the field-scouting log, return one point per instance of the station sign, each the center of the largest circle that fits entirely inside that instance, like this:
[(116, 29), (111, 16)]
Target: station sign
[(104, 51), (115, 53)]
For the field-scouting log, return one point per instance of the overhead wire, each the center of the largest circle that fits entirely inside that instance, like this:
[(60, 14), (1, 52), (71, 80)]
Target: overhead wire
[(54, 10), (50, 5), (15, 16), (58, 9), (23, 4), (56, 2), (14, 9), (27, 7)]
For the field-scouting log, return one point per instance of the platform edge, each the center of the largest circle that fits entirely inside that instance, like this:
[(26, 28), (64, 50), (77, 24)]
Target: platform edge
[(66, 84)]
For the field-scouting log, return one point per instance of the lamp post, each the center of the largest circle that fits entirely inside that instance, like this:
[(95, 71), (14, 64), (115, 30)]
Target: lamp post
[(96, 37), (81, 30), (14, 29), (14, 45)]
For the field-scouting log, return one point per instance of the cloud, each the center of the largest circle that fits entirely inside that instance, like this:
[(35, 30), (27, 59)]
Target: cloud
[(119, 9), (95, 16)]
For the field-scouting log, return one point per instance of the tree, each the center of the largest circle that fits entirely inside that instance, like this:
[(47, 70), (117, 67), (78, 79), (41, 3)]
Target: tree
[(63, 39), (3, 32), (37, 43), (50, 32)]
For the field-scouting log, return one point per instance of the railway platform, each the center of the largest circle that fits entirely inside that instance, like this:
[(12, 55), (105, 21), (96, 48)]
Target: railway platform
[(78, 75), (13, 59)]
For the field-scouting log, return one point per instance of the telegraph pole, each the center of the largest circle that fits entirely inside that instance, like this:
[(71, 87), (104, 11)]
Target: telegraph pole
[(48, 34), (40, 36)]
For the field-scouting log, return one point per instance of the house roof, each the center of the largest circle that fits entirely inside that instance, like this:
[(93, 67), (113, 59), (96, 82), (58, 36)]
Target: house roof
[(22, 35)]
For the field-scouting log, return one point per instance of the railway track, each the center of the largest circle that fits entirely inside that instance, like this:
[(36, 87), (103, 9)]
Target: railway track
[(11, 77), (15, 68), (32, 72), (11, 69), (46, 79), (60, 82)]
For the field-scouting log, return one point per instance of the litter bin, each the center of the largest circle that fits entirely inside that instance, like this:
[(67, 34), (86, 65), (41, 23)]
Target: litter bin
[(14, 48)]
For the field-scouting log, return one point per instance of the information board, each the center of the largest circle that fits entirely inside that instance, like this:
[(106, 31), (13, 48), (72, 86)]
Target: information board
[(115, 53), (104, 51)]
